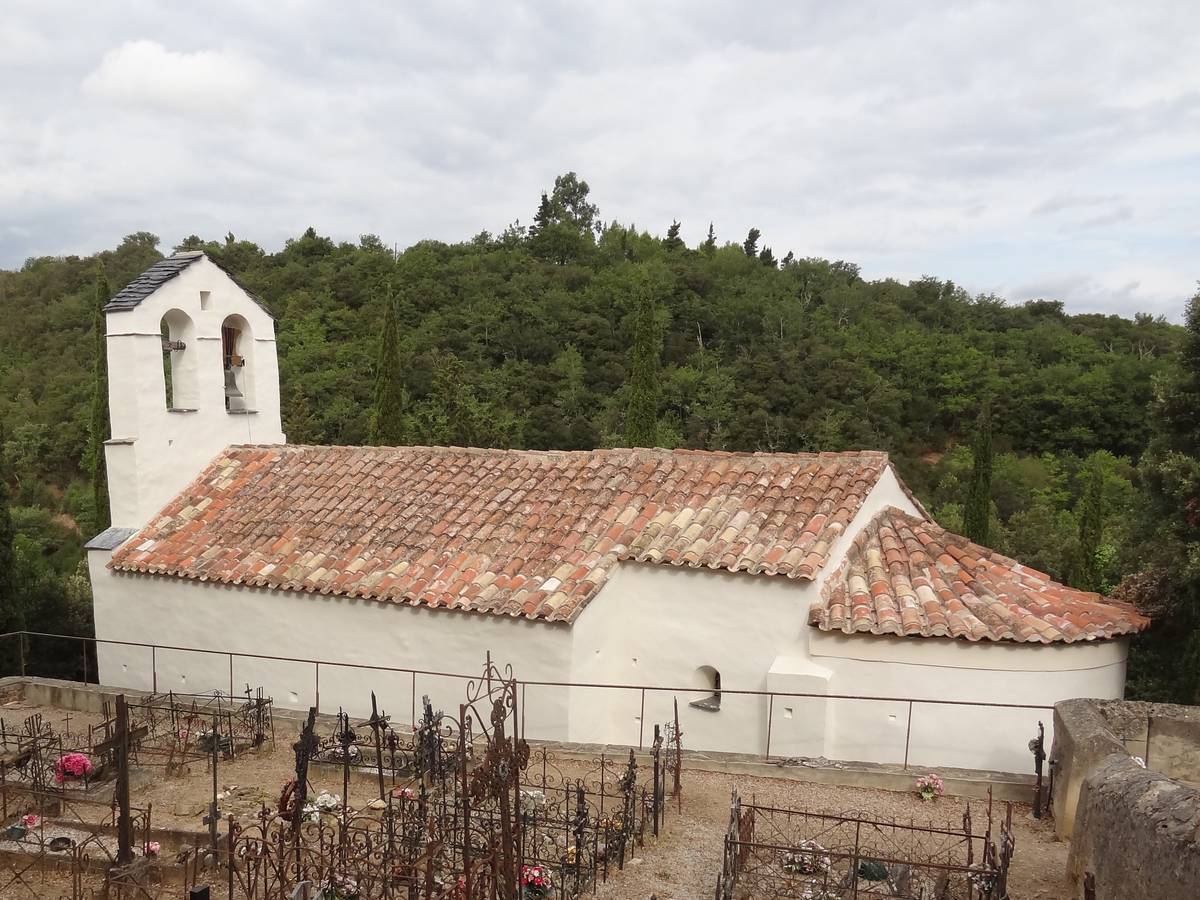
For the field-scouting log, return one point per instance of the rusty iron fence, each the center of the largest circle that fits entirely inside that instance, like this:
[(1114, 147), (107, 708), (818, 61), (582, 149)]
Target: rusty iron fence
[(662, 693), (465, 809), (770, 853)]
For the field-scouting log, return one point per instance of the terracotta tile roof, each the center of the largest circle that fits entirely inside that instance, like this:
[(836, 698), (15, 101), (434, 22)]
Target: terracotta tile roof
[(908, 576), (519, 533)]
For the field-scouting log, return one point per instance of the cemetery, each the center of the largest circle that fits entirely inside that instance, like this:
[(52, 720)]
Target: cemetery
[(149, 795)]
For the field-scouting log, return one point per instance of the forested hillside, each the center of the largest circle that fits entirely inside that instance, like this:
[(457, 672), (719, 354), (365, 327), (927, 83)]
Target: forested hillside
[(524, 339)]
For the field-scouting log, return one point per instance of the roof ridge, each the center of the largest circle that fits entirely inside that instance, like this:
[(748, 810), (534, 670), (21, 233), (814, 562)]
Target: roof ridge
[(656, 452)]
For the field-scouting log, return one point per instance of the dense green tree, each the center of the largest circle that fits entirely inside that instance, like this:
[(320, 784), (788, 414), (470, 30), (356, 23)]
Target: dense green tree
[(1165, 664), (98, 426), (641, 417), (565, 224), (767, 258), (750, 245), (977, 510), (388, 414), (709, 247)]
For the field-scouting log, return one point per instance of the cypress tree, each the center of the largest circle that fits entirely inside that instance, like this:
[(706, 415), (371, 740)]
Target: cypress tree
[(1090, 514), (387, 420), (978, 508), (98, 428), (9, 613), (641, 418)]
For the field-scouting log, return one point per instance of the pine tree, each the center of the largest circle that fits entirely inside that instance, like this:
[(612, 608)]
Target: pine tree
[(710, 243), (542, 218), (98, 428), (641, 419), (767, 258), (1090, 515), (750, 245), (387, 420), (673, 241), (977, 511)]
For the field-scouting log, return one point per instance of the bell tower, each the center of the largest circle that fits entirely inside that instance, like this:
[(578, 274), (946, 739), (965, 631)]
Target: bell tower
[(191, 369)]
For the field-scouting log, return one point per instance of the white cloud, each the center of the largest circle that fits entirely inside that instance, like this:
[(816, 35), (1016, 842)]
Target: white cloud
[(145, 74), (994, 144)]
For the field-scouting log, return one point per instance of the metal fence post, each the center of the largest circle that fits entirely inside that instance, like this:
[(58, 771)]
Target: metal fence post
[(770, 719), (642, 721), (317, 685), (231, 676), (907, 735), (21, 646), (154, 668)]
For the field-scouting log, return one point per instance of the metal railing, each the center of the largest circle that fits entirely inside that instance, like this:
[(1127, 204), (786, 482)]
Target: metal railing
[(89, 646)]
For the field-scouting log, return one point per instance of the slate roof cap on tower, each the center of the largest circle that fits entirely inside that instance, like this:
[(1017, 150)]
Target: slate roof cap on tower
[(530, 534), (909, 577), (131, 296)]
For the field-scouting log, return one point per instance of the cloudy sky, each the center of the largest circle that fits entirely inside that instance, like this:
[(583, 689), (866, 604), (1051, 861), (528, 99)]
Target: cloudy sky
[(1032, 149)]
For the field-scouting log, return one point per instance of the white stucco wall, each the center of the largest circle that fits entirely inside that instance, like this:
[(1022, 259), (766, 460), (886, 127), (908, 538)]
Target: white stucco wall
[(154, 452), (171, 611), (943, 669)]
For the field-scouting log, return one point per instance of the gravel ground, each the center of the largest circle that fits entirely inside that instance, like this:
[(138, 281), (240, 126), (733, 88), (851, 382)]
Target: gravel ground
[(683, 863), (686, 862)]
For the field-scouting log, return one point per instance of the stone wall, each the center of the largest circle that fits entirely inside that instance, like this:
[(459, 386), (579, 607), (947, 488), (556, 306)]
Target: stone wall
[(1134, 829), (1082, 740), (1165, 735), (1136, 832)]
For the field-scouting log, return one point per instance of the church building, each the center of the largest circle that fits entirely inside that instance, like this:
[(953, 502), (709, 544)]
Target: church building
[(760, 590)]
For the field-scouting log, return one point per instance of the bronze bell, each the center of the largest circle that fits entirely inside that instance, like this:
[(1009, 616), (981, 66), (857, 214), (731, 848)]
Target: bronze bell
[(235, 400)]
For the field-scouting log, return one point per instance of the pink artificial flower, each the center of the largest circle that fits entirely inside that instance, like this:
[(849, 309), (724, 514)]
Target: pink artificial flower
[(72, 765), (152, 848), (30, 820)]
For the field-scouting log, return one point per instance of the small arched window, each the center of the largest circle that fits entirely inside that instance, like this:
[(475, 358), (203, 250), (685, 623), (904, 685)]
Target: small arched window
[(179, 358), (237, 363), (710, 678)]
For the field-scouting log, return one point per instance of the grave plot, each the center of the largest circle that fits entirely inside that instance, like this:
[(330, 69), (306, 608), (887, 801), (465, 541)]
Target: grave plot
[(38, 757), (806, 855), (172, 730), (64, 835)]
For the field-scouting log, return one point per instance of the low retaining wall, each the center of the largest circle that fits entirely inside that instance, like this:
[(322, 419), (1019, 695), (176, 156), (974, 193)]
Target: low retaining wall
[(1134, 829), (969, 783), (1136, 832)]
